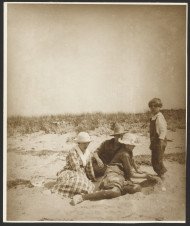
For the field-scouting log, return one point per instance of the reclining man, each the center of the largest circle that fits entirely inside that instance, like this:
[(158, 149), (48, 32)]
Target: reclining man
[(118, 174)]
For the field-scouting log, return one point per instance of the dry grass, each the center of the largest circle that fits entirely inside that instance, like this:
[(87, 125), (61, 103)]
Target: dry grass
[(100, 122)]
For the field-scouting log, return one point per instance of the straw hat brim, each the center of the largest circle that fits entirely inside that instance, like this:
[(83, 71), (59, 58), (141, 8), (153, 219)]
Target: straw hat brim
[(79, 141), (128, 143), (113, 134)]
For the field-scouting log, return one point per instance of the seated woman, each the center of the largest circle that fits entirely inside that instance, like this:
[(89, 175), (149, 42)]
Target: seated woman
[(117, 179), (75, 177)]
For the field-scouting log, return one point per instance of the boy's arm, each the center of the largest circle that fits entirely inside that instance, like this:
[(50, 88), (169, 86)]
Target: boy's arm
[(161, 127)]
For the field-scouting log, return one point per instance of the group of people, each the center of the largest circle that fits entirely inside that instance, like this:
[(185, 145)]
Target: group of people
[(112, 164)]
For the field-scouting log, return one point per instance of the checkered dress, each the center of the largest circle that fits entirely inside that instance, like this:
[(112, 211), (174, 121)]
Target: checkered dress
[(75, 178)]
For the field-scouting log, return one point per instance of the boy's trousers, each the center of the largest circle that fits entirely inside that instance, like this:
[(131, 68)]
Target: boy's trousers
[(158, 148)]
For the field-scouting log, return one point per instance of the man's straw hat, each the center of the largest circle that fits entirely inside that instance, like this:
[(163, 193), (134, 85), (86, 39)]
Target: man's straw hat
[(118, 130)]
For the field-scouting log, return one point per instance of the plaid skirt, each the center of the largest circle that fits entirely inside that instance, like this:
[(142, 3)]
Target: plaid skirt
[(70, 183)]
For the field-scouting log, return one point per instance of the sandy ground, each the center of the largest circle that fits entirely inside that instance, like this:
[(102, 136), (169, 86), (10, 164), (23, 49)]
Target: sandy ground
[(37, 157)]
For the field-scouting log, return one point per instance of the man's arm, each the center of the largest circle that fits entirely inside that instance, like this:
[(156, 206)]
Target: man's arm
[(125, 159), (138, 175), (96, 155), (128, 167), (135, 165)]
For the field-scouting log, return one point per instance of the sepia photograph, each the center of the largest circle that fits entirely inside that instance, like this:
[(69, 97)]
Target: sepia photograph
[(95, 112)]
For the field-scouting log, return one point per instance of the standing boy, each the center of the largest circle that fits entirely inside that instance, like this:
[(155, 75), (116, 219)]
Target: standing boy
[(158, 140)]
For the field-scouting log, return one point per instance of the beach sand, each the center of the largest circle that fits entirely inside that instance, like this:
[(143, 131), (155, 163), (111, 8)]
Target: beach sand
[(34, 159)]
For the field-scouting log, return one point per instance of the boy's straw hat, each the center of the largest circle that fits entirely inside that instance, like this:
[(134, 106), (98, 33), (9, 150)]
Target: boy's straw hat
[(118, 130), (83, 137)]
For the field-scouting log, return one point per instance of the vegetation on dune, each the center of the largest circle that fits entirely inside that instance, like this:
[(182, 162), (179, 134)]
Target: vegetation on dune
[(99, 122)]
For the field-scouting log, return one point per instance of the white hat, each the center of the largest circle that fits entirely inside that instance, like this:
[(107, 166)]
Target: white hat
[(133, 142), (83, 137)]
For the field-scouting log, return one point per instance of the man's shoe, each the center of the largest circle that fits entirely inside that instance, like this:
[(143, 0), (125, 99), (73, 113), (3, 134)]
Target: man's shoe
[(76, 200)]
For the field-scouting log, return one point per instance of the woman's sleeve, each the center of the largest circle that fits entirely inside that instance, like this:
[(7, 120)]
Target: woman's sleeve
[(100, 149), (73, 161), (90, 171)]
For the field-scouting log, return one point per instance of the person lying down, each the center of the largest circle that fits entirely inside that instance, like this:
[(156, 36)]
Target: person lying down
[(117, 179)]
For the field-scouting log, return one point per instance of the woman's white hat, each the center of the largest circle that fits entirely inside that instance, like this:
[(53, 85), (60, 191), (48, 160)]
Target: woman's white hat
[(83, 137)]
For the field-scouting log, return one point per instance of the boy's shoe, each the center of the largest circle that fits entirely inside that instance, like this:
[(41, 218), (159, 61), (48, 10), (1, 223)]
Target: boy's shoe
[(162, 177), (46, 192), (163, 188), (76, 199)]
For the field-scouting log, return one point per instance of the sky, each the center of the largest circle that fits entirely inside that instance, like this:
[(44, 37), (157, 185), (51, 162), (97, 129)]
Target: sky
[(71, 58)]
